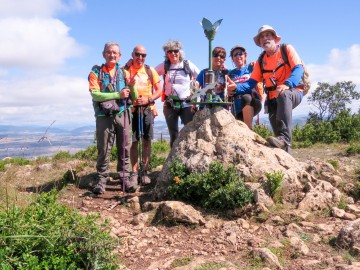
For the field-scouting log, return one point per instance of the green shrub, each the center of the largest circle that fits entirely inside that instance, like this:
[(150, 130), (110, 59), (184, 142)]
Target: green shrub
[(263, 131), (159, 152), (89, 153), (353, 149), (15, 161), (47, 235), (62, 155), (344, 127), (334, 163), (273, 184), (216, 189)]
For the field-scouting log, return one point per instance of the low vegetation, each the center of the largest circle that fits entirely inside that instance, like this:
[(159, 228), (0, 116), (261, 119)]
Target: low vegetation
[(218, 188), (48, 235)]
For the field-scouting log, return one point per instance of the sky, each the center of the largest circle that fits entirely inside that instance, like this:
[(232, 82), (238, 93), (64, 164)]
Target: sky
[(48, 47)]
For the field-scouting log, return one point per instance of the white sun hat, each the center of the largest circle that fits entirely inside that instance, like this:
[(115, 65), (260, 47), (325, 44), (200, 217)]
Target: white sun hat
[(263, 29)]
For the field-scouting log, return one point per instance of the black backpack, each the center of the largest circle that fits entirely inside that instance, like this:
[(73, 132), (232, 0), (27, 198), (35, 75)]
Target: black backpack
[(185, 68)]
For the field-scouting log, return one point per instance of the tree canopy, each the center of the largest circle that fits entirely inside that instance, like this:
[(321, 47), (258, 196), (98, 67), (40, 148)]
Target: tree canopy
[(330, 100)]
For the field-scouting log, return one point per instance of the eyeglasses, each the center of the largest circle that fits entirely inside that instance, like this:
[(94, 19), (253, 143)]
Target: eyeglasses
[(172, 51), (238, 54), (222, 56), (137, 54)]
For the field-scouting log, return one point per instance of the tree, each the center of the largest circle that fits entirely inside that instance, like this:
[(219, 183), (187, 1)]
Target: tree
[(330, 100)]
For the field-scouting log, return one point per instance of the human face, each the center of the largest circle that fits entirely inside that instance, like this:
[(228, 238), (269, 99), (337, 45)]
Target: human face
[(173, 55), (218, 60), (239, 58), (112, 55), (267, 41), (139, 56)]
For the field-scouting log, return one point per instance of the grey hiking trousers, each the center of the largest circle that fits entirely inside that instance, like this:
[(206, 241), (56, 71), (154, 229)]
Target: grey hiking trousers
[(280, 113), (109, 128)]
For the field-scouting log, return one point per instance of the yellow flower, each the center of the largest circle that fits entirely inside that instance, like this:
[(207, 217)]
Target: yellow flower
[(177, 180)]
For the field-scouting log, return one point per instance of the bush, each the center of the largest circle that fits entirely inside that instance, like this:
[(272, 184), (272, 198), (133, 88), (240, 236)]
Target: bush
[(353, 149), (15, 161), (62, 155), (344, 127), (216, 189), (273, 184), (263, 131), (159, 152), (47, 235), (89, 153)]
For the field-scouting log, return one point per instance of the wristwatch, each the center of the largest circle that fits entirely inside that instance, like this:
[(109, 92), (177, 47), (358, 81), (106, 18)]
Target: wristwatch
[(150, 100)]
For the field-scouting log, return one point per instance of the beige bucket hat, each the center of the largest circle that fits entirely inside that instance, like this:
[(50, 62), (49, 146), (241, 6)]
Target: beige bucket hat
[(263, 29)]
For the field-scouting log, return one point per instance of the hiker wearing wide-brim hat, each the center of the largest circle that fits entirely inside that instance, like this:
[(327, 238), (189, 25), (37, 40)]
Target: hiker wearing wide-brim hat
[(281, 81), (263, 29)]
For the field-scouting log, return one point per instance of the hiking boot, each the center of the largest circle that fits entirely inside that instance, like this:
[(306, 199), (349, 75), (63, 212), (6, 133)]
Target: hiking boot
[(131, 183), (277, 142), (98, 189), (145, 179)]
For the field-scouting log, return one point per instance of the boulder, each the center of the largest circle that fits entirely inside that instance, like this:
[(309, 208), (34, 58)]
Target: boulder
[(215, 135)]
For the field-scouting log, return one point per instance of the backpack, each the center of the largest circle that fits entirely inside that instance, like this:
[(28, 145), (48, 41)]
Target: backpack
[(148, 72), (305, 82), (185, 68)]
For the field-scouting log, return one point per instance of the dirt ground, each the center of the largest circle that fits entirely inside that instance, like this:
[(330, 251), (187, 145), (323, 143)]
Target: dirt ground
[(156, 246)]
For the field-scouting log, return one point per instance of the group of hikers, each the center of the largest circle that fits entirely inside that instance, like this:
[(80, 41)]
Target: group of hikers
[(124, 98)]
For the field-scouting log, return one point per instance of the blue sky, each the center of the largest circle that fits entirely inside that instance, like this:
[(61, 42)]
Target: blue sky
[(48, 47)]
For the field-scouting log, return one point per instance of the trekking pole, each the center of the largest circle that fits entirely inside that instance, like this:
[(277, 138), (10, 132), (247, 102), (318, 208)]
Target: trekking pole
[(139, 142), (124, 150), (141, 145)]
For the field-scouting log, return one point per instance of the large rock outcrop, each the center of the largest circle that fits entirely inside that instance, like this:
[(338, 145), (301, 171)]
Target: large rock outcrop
[(215, 135)]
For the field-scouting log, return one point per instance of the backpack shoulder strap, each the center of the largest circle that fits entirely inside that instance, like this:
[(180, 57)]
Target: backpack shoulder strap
[(187, 68), (149, 73), (260, 61), (284, 54), (166, 66)]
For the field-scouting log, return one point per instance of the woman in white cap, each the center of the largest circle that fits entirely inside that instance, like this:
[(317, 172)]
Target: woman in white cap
[(281, 81), (248, 105)]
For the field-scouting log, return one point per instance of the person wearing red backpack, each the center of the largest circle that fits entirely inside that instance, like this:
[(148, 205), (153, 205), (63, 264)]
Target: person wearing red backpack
[(281, 84)]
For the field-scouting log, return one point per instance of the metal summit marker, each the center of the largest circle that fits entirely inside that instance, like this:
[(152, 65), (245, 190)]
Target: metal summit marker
[(210, 32), (211, 98)]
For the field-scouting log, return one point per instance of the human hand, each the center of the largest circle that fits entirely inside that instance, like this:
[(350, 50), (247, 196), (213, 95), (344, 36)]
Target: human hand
[(125, 93), (281, 88), (131, 81), (231, 93), (142, 101)]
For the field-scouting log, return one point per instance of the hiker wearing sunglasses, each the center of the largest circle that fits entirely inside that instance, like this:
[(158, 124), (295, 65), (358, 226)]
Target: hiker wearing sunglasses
[(108, 85), (245, 106), (281, 84), (147, 83), (177, 76), (221, 78)]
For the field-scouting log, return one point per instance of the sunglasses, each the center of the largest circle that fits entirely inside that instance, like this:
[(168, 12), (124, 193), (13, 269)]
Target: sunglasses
[(238, 54), (137, 54), (172, 51), (222, 56)]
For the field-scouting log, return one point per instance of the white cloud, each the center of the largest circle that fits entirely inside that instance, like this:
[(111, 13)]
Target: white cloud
[(43, 100), (342, 65), (38, 8), (35, 43)]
